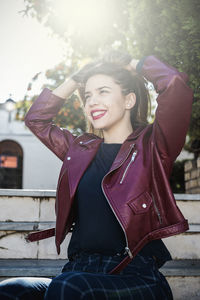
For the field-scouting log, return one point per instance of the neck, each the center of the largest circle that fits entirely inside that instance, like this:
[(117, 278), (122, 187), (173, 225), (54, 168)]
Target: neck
[(117, 136)]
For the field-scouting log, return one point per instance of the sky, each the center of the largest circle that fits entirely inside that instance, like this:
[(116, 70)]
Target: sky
[(26, 48)]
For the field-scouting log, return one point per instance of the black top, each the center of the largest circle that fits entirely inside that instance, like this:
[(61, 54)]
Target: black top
[(96, 228)]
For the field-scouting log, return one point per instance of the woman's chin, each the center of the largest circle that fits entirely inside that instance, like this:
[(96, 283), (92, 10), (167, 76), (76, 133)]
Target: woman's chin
[(99, 127)]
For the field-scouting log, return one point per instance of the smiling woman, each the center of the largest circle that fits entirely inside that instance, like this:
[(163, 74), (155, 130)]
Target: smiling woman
[(113, 190)]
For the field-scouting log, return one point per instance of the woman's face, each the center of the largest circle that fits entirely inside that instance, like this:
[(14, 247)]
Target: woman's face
[(105, 105)]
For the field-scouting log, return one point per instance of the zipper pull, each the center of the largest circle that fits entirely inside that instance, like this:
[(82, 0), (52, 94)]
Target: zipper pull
[(128, 251), (133, 155), (130, 162)]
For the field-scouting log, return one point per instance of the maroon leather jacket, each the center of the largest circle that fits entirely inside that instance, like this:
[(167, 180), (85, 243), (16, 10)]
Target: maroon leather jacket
[(137, 186)]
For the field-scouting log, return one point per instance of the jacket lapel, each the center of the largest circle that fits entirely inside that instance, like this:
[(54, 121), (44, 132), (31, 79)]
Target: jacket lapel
[(78, 158)]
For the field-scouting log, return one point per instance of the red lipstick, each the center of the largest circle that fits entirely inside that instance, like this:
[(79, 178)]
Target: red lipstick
[(97, 114)]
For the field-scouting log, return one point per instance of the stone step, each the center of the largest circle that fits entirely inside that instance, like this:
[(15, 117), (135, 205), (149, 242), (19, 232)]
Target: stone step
[(52, 267), (25, 226), (182, 275), (33, 226), (23, 211), (38, 206), (182, 246), (31, 267)]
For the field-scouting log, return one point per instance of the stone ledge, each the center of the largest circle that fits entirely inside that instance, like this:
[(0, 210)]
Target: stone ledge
[(48, 268), (31, 267), (34, 226), (182, 267), (52, 193), (25, 226), (187, 197), (27, 193)]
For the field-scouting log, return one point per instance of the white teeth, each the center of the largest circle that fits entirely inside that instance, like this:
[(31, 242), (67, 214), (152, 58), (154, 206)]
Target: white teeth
[(97, 113)]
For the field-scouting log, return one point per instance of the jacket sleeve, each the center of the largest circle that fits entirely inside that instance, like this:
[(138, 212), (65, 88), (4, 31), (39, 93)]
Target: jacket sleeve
[(39, 121), (173, 112)]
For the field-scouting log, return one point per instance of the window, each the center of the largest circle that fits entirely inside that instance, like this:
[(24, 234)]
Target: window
[(8, 161), (11, 162)]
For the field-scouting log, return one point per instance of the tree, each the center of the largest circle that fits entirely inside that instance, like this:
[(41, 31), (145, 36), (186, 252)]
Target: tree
[(168, 29)]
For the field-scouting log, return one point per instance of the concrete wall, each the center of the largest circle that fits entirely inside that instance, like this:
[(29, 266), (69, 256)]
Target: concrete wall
[(22, 211)]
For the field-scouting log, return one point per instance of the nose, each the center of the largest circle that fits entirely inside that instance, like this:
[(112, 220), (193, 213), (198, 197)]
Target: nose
[(93, 100)]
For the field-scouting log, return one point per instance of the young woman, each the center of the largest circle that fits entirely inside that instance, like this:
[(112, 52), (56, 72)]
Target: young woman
[(113, 190)]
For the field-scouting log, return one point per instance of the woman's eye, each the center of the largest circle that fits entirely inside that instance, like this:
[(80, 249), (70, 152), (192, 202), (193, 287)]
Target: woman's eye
[(103, 91)]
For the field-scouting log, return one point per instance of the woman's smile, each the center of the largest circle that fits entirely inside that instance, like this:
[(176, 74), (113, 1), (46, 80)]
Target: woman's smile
[(98, 113)]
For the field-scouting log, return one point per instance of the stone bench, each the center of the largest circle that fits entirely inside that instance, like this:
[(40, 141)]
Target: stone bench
[(182, 275), (23, 211)]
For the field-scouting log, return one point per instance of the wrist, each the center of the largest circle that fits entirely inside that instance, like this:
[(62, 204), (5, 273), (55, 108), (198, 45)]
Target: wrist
[(66, 88), (71, 81)]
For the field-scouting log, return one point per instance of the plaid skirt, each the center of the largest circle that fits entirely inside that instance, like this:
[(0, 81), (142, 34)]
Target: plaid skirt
[(86, 277)]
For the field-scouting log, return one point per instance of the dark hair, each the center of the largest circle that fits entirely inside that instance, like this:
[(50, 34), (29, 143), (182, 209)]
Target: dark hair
[(128, 83)]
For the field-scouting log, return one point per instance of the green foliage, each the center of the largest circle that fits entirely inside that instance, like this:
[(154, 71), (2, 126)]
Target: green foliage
[(22, 108), (71, 116), (168, 29)]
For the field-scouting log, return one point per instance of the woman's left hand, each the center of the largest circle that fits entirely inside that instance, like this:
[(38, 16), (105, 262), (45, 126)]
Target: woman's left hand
[(122, 59), (132, 66)]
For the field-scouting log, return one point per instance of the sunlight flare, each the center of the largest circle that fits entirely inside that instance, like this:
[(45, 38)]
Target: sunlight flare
[(89, 17)]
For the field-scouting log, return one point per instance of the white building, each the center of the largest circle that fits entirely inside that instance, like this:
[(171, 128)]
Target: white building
[(24, 161)]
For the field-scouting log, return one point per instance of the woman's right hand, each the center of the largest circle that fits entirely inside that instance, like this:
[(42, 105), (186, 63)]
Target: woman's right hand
[(79, 76), (71, 84), (122, 59)]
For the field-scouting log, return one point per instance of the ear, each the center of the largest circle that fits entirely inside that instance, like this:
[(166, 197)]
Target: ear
[(130, 100)]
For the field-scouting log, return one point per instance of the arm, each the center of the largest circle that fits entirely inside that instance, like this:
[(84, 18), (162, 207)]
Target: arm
[(40, 115), (174, 105)]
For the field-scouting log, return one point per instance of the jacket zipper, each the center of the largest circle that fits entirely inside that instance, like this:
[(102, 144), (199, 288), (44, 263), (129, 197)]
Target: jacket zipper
[(157, 210), (127, 250), (131, 161)]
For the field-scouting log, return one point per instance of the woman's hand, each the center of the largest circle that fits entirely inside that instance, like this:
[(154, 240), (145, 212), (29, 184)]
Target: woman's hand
[(74, 82), (79, 76), (132, 66), (122, 59), (117, 57)]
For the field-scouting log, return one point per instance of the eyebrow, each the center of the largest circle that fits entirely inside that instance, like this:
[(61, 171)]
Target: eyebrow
[(99, 89)]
